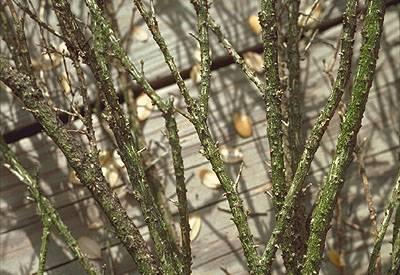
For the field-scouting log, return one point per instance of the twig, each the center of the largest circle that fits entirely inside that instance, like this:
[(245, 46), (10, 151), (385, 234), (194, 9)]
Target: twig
[(44, 244), (272, 100), (47, 211), (393, 203), (86, 166)]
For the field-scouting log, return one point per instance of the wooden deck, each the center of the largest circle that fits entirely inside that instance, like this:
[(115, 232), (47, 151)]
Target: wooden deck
[(216, 248)]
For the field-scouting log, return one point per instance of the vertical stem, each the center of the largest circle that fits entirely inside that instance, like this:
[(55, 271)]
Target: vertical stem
[(317, 132), (44, 244), (393, 203), (322, 213), (272, 99), (173, 138)]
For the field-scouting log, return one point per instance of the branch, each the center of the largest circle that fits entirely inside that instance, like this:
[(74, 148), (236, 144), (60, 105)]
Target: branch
[(85, 164), (251, 76), (393, 203), (318, 130), (47, 211), (272, 100), (350, 126), (44, 244)]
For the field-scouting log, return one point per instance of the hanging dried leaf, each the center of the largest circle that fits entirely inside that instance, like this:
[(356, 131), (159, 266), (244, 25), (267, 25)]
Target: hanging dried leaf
[(255, 61), (254, 24), (195, 74), (243, 125), (334, 258), (117, 160), (209, 179), (140, 34), (144, 107), (94, 220), (230, 154), (72, 178), (65, 83), (90, 247), (195, 226), (311, 17)]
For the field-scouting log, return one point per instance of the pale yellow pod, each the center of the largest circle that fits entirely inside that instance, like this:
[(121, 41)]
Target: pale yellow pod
[(243, 125), (195, 226), (209, 179), (195, 74), (230, 154), (255, 61), (254, 24), (144, 107)]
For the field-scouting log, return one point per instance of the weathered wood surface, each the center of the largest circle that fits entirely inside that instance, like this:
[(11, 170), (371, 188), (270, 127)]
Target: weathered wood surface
[(217, 245)]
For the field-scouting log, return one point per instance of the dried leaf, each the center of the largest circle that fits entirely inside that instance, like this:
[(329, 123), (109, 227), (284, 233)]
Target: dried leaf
[(195, 226), (117, 160), (209, 179), (254, 24), (195, 74), (72, 178), (255, 61), (140, 34), (144, 107), (334, 258), (94, 220), (65, 83), (90, 247), (230, 154), (311, 17), (243, 125)]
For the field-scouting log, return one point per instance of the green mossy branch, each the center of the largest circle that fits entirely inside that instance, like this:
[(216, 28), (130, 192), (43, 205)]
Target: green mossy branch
[(322, 213), (85, 164), (313, 141), (272, 98), (48, 213), (393, 203)]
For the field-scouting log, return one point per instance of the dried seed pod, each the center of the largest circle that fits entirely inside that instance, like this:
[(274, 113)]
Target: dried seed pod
[(72, 178), (144, 107), (254, 24), (140, 34), (94, 220), (209, 179), (65, 83), (311, 17), (90, 247), (230, 154), (195, 226), (255, 61), (243, 125), (195, 74)]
